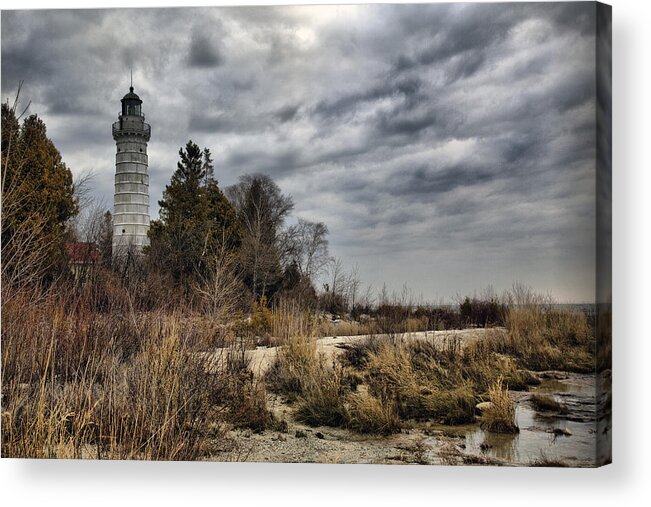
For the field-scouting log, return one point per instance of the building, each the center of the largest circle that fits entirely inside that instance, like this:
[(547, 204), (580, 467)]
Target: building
[(82, 258), (131, 201)]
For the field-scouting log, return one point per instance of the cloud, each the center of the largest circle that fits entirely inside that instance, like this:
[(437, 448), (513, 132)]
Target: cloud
[(203, 53), (446, 146)]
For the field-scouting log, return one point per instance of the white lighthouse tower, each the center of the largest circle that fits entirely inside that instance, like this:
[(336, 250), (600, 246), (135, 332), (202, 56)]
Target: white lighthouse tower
[(131, 201)]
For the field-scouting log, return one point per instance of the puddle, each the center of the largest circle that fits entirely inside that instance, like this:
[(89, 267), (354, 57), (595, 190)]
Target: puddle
[(537, 438)]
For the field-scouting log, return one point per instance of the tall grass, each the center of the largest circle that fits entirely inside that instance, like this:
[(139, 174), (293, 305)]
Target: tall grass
[(548, 339), (78, 383), (366, 413), (499, 417), (420, 390)]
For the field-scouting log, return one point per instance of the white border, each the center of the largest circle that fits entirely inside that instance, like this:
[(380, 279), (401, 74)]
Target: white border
[(33, 482)]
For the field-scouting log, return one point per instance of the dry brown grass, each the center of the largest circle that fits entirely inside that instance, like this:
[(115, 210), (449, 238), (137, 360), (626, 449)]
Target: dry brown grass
[(549, 339), (540, 337), (295, 365), (304, 377), (367, 414), (322, 400), (289, 320), (547, 403), (430, 380), (421, 390), (545, 461), (76, 383), (500, 416), (345, 328), (326, 394)]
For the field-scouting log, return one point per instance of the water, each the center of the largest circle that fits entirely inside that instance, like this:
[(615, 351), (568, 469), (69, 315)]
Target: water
[(537, 438)]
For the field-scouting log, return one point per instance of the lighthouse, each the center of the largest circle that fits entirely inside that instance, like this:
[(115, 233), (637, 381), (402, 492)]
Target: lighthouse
[(131, 199)]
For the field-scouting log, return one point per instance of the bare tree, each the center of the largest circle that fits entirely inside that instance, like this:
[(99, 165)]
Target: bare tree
[(220, 287), (307, 246), (262, 210), (353, 284)]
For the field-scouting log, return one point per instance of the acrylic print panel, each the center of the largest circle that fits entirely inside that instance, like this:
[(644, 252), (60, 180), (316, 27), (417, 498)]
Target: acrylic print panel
[(341, 234)]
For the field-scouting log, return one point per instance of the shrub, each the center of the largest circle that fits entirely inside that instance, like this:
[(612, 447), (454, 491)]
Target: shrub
[(246, 404), (261, 318), (439, 318), (482, 313)]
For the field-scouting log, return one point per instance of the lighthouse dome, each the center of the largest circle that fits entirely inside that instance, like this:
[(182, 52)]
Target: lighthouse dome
[(131, 95), (131, 104)]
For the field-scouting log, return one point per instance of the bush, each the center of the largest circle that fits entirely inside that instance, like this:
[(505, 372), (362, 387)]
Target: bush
[(481, 313), (261, 318)]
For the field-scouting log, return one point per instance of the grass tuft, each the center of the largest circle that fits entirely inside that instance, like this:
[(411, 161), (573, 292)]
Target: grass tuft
[(499, 417), (547, 403), (367, 414)]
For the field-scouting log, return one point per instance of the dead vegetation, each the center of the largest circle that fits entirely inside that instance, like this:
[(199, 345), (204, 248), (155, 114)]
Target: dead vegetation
[(79, 380), (383, 383), (545, 461), (547, 403), (77, 383), (499, 416)]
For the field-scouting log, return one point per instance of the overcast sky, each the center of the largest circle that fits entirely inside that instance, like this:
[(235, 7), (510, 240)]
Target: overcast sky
[(446, 147)]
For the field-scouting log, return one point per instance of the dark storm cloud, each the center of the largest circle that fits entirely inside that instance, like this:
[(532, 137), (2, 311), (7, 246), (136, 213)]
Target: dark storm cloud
[(424, 180), (416, 132), (287, 113), (347, 104), (203, 52)]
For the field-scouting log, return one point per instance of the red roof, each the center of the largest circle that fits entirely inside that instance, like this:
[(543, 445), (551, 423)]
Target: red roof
[(83, 252)]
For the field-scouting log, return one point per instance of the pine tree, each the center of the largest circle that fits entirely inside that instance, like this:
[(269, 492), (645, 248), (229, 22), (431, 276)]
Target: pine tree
[(196, 219), (38, 200)]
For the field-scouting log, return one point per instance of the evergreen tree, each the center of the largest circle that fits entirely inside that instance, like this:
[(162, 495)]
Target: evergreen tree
[(196, 219), (38, 200)]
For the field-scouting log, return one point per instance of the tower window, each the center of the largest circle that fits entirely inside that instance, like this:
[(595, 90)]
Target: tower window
[(123, 231)]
